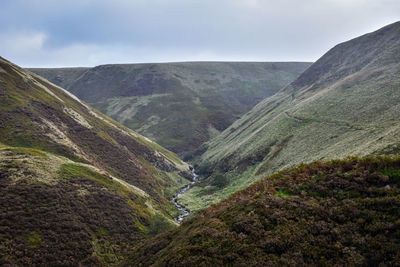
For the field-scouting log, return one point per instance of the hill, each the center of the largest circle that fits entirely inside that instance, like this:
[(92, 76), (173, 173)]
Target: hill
[(62, 77), (77, 188), (335, 213), (346, 103), (178, 105)]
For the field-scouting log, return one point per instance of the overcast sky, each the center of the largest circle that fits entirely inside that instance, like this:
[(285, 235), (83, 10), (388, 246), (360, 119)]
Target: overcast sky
[(56, 33)]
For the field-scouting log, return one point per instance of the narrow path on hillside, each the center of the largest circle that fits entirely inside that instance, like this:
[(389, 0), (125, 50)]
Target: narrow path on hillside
[(334, 122), (174, 200)]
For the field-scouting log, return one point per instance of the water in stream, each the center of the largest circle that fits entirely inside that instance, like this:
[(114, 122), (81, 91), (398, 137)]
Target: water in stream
[(181, 208)]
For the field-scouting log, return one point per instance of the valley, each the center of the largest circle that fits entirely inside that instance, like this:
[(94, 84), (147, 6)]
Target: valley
[(178, 105), (204, 163), (175, 199)]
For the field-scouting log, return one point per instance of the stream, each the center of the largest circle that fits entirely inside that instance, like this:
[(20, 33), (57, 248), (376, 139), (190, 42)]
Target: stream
[(174, 200)]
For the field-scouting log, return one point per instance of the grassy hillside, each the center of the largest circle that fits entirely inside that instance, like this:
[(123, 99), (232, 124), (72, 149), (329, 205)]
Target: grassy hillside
[(327, 213), (76, 186), (347, 103), (178, 105)]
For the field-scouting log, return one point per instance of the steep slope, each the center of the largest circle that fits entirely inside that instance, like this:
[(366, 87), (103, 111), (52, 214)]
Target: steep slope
[(337, 213), (179, 105), (347, 103), (76, 186)]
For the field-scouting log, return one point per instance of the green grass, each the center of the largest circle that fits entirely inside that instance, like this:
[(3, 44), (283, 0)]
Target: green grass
[(70, 171), (108, 253), (159, 224), (283, 194), (34, 239), (25, 151), (205, 193), (394, 175), (102, 231)]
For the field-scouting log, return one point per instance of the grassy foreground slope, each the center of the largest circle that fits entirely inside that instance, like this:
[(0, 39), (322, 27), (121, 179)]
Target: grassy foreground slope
[(178, 105), (347, 103), (340, 212), (76, 187)]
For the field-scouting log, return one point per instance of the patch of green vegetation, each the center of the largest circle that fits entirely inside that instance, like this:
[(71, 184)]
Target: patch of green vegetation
[(140, 226), (26, 151), (34, 239), (394, 175), (159, 224), (71, 170), (108, 253), (139, 206), (107, 137), (171, 210), (283, 194), (102, 231), (206, 193), (11, 102), (219, 180), (170, 183)]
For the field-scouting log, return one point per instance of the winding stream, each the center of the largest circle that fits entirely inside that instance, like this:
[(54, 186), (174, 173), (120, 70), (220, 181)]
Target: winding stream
[(181, 208)]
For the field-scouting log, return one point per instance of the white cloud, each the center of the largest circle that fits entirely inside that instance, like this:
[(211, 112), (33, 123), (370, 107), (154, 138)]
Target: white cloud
[(22, 42)]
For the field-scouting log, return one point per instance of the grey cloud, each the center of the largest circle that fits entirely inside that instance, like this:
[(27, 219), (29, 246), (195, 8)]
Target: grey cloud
[(101, 31)]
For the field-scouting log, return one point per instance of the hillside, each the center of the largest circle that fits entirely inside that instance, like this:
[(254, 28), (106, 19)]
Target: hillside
[(77, 188), (178, 105), (62, 77), (336, 213), (346, 103)]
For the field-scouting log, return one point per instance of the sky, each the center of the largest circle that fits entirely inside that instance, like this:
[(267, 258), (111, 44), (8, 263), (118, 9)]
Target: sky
[(67, 33)]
